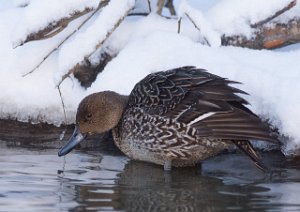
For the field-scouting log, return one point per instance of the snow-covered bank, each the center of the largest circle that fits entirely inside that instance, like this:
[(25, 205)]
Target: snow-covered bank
[(145, 45)]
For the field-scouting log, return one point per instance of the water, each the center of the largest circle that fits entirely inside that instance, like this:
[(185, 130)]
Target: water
[(100, 178)]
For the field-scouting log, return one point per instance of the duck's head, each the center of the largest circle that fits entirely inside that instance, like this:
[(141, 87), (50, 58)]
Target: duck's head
[(96, 113)]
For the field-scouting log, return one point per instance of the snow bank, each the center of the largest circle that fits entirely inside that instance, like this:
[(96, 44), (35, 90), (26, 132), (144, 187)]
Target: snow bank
[(50, 11)]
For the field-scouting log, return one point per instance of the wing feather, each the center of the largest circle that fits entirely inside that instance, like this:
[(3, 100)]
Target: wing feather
[(186, 94)]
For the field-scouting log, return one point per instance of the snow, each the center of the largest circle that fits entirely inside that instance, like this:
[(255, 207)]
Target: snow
[(84, 43), (211, 37), (235, 17), (50, 10), (145, 45)]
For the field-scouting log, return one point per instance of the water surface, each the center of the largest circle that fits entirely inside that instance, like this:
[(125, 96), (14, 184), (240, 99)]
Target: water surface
[(100, 178)]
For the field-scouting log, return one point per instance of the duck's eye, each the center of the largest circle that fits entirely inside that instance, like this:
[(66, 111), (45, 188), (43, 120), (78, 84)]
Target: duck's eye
[(88, 117)]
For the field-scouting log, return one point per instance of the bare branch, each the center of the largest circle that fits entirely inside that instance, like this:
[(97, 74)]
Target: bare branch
[(179, 25), (138, 14), (86, 73), (65, 115), (171, 7), (197, 27), (77, 66), (101, 4), (278, 13), (54, 28), (149, 5), (63, 104)]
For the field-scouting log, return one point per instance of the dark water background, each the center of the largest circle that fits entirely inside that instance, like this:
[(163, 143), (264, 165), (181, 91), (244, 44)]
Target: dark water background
[(100, 178)]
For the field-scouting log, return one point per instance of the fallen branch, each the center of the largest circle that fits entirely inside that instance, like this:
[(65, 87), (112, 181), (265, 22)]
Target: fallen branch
[(278, 13), (171, 7), (268, 37), (86, 73), (198, 28), (62, 135), (98, 45), (160, 6), (101, 4), (54, 28)]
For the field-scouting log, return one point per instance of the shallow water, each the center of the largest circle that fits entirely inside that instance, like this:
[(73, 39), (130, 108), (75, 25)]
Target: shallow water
[(34, 178)]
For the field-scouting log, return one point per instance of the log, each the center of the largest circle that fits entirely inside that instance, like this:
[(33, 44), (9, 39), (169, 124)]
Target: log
[(86, 73), (25, 134), (269, 36)]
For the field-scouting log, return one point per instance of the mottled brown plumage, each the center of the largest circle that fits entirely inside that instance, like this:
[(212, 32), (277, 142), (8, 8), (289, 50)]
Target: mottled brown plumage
[(175, 118)]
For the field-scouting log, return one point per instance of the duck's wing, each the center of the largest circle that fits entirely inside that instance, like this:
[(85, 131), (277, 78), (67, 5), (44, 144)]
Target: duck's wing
[(201, 100), (249, 150)]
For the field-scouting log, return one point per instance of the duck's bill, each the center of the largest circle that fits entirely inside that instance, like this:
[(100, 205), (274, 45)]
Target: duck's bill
[(75, 139)]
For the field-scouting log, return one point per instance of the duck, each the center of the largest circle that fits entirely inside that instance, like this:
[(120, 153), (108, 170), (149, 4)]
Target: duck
[(174, 118)]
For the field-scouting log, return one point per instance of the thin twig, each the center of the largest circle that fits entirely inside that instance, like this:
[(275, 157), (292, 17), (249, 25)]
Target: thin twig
[(278, 13), (179, 25), (149, 5), (65, 114), (160, 6), (101, 4), (197, 27), (54, 28), (171, 7), (96, 47), (62, 103), (138, 14)]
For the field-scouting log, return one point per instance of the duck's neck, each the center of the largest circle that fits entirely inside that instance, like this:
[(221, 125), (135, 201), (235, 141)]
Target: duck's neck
[(118, 103), (124, 101)]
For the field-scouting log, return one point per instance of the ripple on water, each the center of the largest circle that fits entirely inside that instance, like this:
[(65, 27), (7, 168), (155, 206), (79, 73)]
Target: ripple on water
[(102, 179)]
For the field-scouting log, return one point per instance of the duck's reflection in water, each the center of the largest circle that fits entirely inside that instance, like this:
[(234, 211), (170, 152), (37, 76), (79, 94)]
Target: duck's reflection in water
[(146, 187)]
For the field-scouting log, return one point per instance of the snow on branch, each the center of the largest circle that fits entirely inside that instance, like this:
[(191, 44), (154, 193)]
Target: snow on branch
[(268, 37), (210, 36), (233, 17), (32, 27), (269, 34), (277, 13), (53, 28), (74, 53), (101, 4)]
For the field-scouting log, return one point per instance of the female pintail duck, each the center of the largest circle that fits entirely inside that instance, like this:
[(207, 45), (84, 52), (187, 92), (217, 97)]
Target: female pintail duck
[(174, 118)]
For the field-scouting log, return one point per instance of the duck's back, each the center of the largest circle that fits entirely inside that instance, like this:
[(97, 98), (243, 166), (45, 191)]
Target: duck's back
[(185, 115)]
